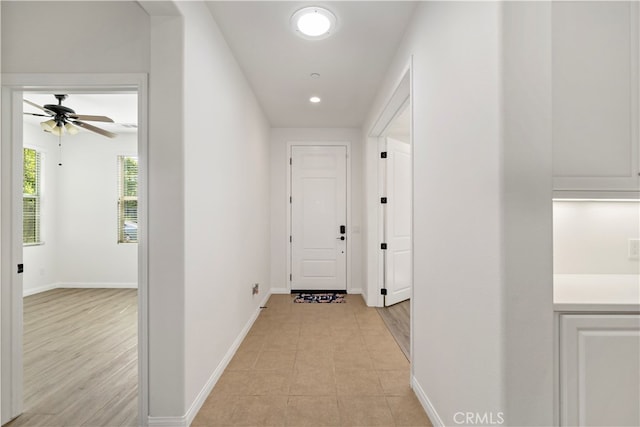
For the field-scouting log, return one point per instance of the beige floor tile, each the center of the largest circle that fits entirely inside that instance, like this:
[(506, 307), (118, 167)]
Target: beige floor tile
[(350, 360), (308, 411), (349, 343), (389, 360), (407, 411), (260, 411), (216, 411), (311, 359), (384, 346), (313, 382), (272, 383), (339, 332), (233, 383), (252, 342), (315, 365), (358, 383), (313, 343), (243, 360), (281, 342), (395, 382), (275, 360), (316, 329), (364, 411)]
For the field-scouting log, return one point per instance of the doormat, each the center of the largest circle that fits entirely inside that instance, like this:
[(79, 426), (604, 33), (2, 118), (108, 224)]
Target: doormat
[(319, 298)]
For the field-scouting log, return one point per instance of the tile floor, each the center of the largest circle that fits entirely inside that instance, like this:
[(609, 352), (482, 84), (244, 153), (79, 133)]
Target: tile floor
[(315, 365)]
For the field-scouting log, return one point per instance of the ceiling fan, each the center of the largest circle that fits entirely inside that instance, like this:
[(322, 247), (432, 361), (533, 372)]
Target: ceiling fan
[(64, 119)]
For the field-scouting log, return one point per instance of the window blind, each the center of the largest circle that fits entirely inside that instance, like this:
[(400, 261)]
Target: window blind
[(31, 188), (127, 199)]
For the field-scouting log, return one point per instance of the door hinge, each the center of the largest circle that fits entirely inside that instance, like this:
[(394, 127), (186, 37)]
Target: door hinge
[(290, 277), (383, 246), (290, 160), (290, 239), (20, 268), (383, 200), (290, 199), (383, 155), (383, 291)]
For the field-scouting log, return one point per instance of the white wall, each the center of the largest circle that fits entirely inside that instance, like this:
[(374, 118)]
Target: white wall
[(121, 37), (466, 212), (88, 250), (591, 237), (97, 36), (226, 162), (280, 200), (526, 213)]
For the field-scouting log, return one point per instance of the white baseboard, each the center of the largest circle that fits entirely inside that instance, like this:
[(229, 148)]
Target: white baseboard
[(426, 404), (354, 291), (280, 290), (98, 285), (217, 373), (33, 291), (167, 421), (51, 286)]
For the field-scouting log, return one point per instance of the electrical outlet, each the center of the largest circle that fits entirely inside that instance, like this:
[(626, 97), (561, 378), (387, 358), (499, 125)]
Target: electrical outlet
[(255, 288), (634, 248)]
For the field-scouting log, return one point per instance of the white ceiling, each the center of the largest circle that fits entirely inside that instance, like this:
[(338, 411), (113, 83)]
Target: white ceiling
[(121, 107), (352, 62)]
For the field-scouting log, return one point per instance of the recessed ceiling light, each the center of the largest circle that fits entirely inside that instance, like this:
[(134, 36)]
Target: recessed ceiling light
[(313, 23), (315, 75), (314, 99)]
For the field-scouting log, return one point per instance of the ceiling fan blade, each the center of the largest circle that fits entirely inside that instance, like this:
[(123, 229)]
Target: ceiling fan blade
[(33, 104), (95, 129), (36, 114), (91, 118)]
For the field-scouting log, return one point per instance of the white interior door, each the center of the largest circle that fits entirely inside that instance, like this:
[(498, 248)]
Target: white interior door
[(398, 277), (318, 210)]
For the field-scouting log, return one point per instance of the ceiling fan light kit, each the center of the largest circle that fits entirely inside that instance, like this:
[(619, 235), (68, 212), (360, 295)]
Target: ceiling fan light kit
[(62, 118)]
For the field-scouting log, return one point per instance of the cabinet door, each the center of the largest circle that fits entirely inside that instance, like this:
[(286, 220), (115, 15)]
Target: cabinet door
[(600, 370), (595, 96)]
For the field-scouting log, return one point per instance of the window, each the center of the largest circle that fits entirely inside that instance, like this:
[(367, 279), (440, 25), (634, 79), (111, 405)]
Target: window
[(127, 199), (31, 187)]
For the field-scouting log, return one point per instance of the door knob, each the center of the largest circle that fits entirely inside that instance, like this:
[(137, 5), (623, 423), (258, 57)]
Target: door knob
[(340, 238)]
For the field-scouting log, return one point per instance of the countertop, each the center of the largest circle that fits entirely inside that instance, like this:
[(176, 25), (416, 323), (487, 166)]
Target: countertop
[(596, 292)]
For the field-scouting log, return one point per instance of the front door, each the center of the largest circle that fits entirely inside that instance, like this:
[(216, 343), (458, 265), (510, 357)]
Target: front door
[(318, 218), (398, 256)]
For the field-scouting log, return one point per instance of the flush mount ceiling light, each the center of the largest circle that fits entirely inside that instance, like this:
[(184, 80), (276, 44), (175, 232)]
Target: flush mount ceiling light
[(314, 99), (313, 23)]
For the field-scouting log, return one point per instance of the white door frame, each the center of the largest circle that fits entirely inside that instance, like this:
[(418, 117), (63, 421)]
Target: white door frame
[(10, 293), (347, 145), (375, 222), (401, 94)]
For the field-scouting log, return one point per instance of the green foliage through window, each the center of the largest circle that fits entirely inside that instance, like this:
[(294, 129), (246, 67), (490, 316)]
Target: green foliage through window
[(128, 199), (31, 196)]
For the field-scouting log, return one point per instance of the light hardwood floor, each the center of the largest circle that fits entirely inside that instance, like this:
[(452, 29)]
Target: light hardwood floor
[(80, 358), (397, 319), (315, 365)]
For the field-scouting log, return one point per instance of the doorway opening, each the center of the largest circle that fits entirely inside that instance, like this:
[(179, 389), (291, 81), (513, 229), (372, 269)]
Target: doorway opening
[(396, 169), (74, 344), (391, 213)]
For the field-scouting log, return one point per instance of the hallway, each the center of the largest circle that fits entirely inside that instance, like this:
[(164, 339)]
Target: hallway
[(315, 365)]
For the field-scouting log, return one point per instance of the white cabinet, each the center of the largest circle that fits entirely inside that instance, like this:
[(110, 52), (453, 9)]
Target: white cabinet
[(599, 369), (595, 50)]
